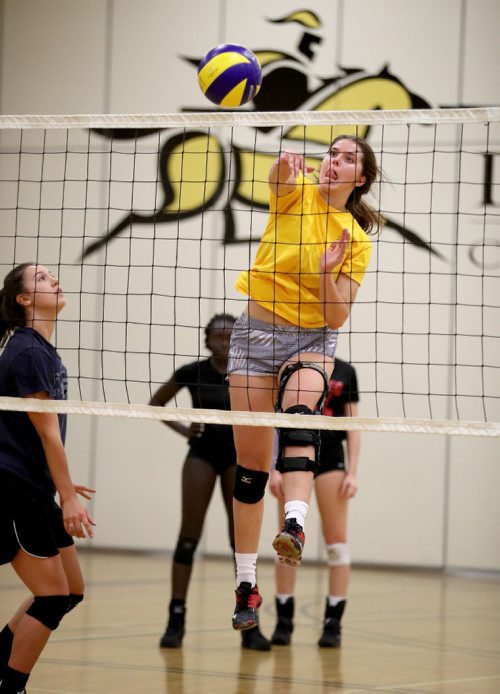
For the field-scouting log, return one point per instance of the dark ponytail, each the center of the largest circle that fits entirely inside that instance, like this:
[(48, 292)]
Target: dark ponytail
[(12, 314), (3, 323)]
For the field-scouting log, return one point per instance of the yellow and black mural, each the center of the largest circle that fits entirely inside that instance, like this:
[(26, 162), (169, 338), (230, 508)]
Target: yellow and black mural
[(193, 167)]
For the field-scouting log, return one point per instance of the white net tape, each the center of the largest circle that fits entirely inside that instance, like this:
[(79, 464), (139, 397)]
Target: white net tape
[(253, 118), (256, 419)]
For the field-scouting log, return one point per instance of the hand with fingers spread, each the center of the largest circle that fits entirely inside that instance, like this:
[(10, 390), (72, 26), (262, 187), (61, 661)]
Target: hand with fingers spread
[(291, 164), (285, 171), (335, 253)]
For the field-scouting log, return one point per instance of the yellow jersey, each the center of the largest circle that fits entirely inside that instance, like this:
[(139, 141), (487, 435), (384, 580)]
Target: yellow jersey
[(285, 275)]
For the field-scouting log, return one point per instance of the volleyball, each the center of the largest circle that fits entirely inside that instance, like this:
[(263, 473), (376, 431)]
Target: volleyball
[(229, 75)]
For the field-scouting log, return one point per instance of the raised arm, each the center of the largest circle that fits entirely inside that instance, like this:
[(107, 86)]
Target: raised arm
[(284, 172)]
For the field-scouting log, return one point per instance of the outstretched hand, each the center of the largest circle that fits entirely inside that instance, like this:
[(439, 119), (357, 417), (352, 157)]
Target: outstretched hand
[(290, 164), (335, 253)]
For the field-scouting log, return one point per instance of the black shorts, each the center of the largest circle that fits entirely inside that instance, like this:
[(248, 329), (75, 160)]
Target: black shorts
[(331, 456), (29, 520), (219, 457)]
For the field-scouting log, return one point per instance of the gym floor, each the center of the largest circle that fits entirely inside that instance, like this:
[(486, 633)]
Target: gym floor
[(404, 632)]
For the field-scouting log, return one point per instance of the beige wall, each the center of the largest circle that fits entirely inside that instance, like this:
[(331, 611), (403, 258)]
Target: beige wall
[(423, 500)]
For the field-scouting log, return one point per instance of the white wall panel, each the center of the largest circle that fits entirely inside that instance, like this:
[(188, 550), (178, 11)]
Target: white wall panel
[(397, 515), (474, 511), (419, 42), (138, 482), (481, 54), (150, 40), (53, 56)]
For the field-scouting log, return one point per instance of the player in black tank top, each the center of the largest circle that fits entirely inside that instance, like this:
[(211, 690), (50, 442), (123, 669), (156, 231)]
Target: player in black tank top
[(335, 483), (211, 454)]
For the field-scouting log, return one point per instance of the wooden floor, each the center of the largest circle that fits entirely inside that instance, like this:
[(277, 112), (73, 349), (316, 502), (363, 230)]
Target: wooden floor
[(404, 632)]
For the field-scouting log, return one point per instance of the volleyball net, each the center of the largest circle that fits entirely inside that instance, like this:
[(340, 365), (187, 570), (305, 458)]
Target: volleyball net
[(148, 220)]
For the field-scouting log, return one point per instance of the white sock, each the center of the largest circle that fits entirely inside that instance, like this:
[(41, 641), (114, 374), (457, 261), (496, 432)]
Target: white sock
[(334, 600), (283, 597), (298, 510), (246, 568)]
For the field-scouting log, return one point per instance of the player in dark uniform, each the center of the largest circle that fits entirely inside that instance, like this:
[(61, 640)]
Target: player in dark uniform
[(35, 532), (211, 454), (335, 483)]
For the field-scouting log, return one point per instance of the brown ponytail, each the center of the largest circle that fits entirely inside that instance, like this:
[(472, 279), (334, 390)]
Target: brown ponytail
[(12, 314)]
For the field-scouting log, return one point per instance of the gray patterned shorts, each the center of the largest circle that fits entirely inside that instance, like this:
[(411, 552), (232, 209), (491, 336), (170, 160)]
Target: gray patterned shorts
[(260, 349)]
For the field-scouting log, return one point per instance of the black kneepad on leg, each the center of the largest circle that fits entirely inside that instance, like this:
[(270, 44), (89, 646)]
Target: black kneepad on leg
[(49, 609), (289, 437), (185, 549), (249, 485)]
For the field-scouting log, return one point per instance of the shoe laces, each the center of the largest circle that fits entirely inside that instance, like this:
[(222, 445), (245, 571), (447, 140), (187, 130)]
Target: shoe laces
[(293, 528), (246, 596)]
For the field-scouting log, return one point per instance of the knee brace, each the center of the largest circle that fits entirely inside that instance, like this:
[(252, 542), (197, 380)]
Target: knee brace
[(73, 601), (288, 372), (185, 549), (249, 485), (338, 554), (49, 609), (298, 437)]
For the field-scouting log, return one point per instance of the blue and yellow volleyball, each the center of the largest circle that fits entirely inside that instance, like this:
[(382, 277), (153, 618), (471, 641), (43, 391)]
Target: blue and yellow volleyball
[(229, 75)]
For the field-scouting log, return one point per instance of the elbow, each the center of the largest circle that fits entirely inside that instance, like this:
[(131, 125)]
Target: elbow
[(335, 325), (337, 320)]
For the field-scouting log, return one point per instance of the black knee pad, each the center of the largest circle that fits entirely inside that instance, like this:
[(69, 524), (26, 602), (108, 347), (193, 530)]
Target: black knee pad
[(49, 609), (185, 549), (249, 485), (73, 601), (289, 437)]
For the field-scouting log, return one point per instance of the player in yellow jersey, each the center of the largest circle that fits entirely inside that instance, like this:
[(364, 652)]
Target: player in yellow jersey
[(310, 263)]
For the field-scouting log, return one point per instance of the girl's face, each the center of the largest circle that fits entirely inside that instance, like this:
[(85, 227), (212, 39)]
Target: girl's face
[(342, 168), (219, 338), (41, 291)]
